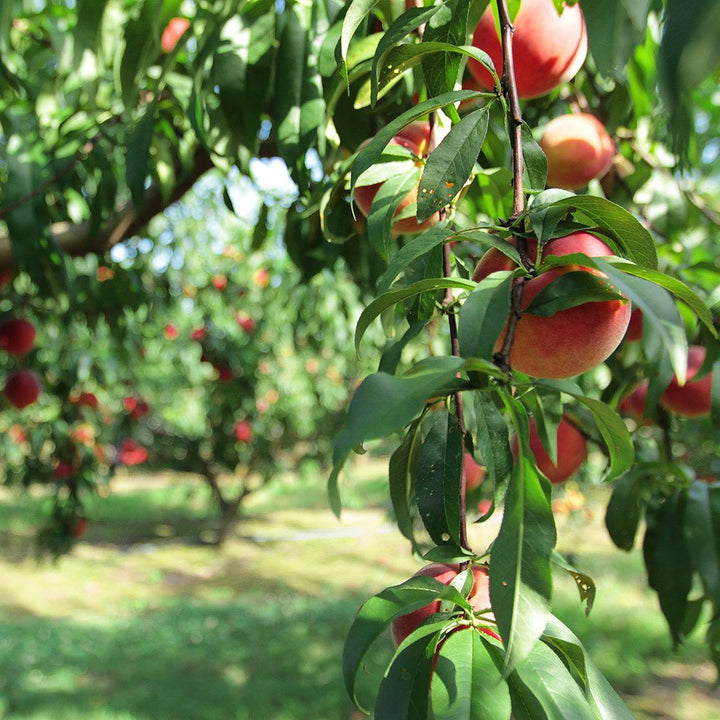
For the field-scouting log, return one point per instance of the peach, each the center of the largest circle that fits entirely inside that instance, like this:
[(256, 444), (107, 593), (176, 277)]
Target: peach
[(474, 473), (22, 388), (548, 48), (571, 451), (479, 598), (17, 336), (692, 399), (632, 405), (243, 431), (416, 138), (570, 341), (173, 31), (578, 149)]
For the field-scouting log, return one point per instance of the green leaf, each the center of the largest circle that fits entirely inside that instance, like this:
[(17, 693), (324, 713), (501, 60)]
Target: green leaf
[(666, 344), (492, 439), (449, 25), (138, 155), (402, 480), (520, 567), (415, 248), (404, 690), (450, 164), (89, 19), (404, 57), (613, 430), (675, 286), (384, 404), (571, 289), (604, 700), (585, 584), (483, 316), (467, 684), (702, 535), (388, 299), (409, 21), (448, 554), (667, 559), (630, 238), (292, 57), (138, 44), (615, 28), (357, 12), (623, 513), (369, 155), (541, 687), (377, 613), (536, 167), (688, 53), (384, 207), (437, 488)]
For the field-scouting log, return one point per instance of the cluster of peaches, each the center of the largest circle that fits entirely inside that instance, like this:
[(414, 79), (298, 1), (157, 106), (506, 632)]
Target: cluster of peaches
[(549, 49), (17, 338)]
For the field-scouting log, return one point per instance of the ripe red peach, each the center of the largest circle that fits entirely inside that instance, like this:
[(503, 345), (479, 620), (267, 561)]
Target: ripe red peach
[(22, 388), (632, 405), (693, 398), (479, 598), (571, 341), (17, 336), (474, 473), (578, 149), (548, 48), (416, 138), (173, 31), (571, 451)]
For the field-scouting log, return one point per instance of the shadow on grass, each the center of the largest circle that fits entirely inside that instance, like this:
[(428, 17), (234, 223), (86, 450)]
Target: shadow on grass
[(272, 660)]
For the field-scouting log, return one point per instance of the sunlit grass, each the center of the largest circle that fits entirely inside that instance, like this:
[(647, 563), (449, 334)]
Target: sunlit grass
[(164, 629)]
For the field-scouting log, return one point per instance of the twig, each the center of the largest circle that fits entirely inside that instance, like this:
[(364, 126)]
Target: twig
[(502, 357)]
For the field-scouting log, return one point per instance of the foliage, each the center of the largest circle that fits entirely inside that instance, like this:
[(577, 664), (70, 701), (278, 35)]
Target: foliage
[(104, 129)]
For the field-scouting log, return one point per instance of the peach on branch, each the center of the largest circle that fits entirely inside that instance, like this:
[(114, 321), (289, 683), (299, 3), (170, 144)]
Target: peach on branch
[(132, 453), (416, 138), (17, 336), (548, 47), (571, 451), (22, 388), (573, 340), (578, 149), (632, 405), (692, 399), (243, 431), (479, 598), (474, 473), (172, 32)]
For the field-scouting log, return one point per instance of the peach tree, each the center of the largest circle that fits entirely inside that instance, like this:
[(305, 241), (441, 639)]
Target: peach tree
[(511, 309)]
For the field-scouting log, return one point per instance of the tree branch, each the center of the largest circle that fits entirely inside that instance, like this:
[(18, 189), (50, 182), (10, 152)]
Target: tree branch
[(502, 357), (84, 238)]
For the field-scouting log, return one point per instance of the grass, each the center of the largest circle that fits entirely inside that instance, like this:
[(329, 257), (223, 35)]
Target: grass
[(139, 624)]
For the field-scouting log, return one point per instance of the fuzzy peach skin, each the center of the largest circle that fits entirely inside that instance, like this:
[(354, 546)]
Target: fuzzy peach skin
[(692, 399), (548, 49), (571, 341), (571, 451), (578, 149)]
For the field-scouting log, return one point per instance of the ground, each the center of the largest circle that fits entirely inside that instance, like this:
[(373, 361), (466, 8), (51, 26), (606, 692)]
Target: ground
[(142, 624)]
